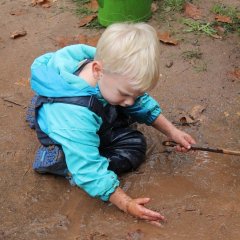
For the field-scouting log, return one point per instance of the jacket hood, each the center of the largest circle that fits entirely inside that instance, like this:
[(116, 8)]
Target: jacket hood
[(52, 74)]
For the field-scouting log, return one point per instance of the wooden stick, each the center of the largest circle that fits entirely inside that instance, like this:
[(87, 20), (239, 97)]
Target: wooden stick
[(208, 149)]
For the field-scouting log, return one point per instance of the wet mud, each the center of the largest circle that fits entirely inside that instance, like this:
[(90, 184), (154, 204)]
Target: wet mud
[(198, 192)]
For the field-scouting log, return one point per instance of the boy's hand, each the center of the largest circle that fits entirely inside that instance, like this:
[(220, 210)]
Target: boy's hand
[(183, 139), (136, 208)]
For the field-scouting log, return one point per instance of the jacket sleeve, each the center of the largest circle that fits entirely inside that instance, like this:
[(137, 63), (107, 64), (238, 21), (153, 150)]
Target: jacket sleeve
[(75, 128), (145, 109)]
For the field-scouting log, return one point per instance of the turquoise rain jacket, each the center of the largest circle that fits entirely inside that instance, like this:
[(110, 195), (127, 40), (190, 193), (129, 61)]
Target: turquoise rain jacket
[(75, 127)]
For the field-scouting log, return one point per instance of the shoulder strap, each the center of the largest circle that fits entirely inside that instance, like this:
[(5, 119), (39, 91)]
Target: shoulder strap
[(91, 102)]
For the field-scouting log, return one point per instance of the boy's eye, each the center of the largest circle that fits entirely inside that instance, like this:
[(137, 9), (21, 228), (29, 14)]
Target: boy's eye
[(123, 94)]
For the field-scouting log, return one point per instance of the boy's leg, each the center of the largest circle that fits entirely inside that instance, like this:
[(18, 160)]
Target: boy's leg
[(125, 149)]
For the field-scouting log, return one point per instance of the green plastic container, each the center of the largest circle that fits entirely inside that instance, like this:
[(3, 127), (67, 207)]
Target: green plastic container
[(112, 11)]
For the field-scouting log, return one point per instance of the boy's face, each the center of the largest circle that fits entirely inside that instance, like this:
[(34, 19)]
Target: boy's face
[(117, 90)]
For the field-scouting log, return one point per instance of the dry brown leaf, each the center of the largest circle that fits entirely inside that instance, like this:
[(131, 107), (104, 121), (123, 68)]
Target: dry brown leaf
[(196, 112), (165, 38), (193, 117), (17, 34), (85, 20), (154, 7), (216, 36), (224, 19), (93, 5), (43, 3), (186, 120), (192, 11)]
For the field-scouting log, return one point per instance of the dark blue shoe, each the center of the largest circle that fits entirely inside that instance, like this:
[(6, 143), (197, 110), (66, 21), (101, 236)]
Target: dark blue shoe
[(30, 115), (50, 160)]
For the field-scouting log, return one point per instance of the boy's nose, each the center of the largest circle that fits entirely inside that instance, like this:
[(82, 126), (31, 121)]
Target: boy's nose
[(128, 102)]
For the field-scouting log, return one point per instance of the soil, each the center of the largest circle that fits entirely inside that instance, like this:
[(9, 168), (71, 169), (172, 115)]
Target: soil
[(197, 192)]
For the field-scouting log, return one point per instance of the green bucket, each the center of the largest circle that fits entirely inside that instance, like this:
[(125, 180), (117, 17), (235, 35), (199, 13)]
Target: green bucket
[(112, 11)]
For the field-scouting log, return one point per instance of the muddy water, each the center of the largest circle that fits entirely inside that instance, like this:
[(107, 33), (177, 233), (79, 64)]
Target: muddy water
[(198, 193)]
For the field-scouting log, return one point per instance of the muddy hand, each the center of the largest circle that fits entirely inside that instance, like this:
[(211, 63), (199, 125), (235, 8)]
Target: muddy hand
[(183, 139), (136, 208)]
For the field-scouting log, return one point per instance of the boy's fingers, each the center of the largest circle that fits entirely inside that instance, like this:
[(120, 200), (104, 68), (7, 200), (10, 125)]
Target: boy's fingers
[(152, 215), (142, 201), (190, 139), (156, 223), (151, 218)]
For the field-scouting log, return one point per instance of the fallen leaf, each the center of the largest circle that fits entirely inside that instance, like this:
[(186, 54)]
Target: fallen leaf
[(43, 3), (17, 34), (193, 117), (224, 19), (186, 120), (165, 38), (196, 112), (93, 5), (238, 113), (85, 20), (216, 36), (192, 11), (154, 7)]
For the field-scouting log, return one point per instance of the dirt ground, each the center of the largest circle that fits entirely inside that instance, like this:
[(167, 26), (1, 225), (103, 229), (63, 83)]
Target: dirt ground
[(199, 193)]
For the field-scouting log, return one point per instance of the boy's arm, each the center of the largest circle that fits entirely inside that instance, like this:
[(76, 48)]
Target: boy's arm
[(167, 128), (147, 110)]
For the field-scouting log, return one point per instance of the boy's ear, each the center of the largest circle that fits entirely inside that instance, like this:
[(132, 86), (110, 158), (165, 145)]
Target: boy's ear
[(97, 69)]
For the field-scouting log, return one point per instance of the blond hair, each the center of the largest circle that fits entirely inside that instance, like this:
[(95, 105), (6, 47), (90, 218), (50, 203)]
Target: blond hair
[(131, 50)]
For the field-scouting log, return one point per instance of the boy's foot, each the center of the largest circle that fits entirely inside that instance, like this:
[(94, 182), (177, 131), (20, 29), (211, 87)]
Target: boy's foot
[(50, 160)]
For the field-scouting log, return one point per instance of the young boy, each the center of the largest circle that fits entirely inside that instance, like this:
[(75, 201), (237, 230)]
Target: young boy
[(87, 100)]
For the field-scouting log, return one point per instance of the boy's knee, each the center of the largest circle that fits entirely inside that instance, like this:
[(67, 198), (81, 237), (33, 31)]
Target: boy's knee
[(127, 151)]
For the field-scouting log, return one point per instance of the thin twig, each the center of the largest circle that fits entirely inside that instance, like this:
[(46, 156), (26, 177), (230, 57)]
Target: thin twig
[(18, 104)]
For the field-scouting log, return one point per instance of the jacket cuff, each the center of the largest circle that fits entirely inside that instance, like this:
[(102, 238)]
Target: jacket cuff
[(107, 195)]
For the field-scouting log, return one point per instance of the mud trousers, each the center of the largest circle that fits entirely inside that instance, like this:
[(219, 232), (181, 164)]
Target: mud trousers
[(125, 149)]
